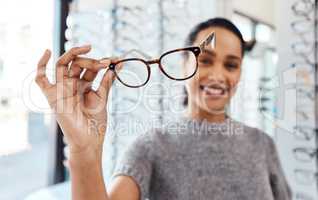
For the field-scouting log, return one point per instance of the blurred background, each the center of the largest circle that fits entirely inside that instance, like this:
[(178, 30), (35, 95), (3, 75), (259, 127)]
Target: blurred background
[(277, 91)]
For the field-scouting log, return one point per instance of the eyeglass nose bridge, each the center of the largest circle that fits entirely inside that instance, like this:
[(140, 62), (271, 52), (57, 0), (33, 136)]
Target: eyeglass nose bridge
[(154, 61)]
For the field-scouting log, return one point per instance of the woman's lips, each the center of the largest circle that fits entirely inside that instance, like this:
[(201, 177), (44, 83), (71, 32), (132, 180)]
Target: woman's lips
[(213, 91)]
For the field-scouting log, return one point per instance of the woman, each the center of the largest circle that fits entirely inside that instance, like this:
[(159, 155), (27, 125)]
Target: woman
[(208, 156)]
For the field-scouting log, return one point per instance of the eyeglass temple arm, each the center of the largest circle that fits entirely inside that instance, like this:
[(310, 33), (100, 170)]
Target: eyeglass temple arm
[(209, 40)]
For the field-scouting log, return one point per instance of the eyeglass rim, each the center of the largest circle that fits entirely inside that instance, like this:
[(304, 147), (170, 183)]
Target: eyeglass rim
[(302, 12), (300, 173), (295, 24), (301, 64), (112, 67), (311, 152), (305, 132), (194, 49)]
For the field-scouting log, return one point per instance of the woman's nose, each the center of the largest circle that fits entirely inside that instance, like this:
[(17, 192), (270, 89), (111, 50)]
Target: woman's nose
[(217, 74)]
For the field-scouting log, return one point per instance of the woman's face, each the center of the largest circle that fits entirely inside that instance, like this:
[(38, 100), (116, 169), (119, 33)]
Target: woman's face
[(218, 74)]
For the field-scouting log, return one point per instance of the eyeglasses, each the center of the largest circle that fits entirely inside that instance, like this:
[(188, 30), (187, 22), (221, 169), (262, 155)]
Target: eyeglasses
[(304, 73), (303, 65), (305, 177), (306, 133), (305, 50), (302, 26), (306, 92), (304, 113), (303, 7), (305, 154), (135, 72)]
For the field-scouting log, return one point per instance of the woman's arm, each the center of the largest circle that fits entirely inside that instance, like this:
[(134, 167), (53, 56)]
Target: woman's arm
[(88, 183), (86, 177), (81, 113)]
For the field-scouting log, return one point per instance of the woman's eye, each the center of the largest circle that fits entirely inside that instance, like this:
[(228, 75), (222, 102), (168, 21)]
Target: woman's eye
[(231, 65), (205, 61)]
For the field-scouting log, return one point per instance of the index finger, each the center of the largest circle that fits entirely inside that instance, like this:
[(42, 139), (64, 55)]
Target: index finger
[(41, 78), (90, 63), (68, 56)]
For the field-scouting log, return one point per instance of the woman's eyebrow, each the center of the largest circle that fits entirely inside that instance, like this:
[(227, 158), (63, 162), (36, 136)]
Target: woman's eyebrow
[(233, 57), (212, 53)]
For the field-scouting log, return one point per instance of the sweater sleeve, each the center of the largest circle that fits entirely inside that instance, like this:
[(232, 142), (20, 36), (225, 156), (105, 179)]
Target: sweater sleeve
[(136, 163), (279, 185)]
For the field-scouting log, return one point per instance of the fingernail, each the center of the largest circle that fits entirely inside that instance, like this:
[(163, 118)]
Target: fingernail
[(104, 61), (86, 46), (47, 51)]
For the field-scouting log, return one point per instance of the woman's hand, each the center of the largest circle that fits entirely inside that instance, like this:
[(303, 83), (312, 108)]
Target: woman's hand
[(80, 111)]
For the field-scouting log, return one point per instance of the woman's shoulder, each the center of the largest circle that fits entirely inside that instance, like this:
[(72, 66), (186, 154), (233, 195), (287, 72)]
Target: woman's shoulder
[(256, 134)]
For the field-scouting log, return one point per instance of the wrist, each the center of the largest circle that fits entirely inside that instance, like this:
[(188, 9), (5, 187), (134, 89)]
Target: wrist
[(85, 157), (97, 127)]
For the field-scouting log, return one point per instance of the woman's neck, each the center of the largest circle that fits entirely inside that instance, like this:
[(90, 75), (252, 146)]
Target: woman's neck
[(200, 114)]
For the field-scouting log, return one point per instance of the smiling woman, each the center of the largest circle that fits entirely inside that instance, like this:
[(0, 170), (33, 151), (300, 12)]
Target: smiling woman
[(236, 161)]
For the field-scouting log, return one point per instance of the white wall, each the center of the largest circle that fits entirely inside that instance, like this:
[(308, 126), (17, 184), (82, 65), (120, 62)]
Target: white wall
[(260, 9)]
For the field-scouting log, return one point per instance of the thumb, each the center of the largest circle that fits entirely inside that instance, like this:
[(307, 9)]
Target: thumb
[(106, 83)]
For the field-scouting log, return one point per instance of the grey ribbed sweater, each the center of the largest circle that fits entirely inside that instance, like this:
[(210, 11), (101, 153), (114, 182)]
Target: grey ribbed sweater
[(198, 160)]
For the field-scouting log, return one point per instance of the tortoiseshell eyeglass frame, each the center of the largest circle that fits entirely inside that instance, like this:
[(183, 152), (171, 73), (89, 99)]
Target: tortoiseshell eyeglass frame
[(196, 50)]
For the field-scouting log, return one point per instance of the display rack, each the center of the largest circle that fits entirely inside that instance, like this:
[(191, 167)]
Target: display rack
[(316, 76)]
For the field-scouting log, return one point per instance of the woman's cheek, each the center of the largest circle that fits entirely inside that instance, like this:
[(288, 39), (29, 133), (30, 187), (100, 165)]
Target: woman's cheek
[(193, 88), (233, 87)]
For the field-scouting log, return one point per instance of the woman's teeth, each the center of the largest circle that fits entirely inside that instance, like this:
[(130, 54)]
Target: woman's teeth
[(211, 90), (214, 91)]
